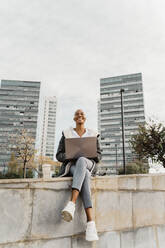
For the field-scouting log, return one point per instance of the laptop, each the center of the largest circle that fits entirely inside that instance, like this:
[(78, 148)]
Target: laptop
[(77, 147)]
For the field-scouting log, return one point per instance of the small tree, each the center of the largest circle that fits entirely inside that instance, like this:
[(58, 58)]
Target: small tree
[(13, 164), (22, 144), (135, 167), (149, 142)]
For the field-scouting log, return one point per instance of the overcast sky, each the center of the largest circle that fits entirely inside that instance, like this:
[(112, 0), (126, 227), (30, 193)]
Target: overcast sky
[(70, 45)]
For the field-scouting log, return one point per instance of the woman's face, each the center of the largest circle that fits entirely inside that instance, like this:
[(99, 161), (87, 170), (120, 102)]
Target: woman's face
[(79, 117)]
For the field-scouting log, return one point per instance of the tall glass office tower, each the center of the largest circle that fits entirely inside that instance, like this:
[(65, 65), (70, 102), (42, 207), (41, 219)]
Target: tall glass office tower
[(49, 127), (18, 109), (110, 116)]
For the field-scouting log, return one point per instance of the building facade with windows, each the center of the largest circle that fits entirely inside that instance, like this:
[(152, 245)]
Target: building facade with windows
[(98, 117), (110, 116), (18, 110), (49, 127)]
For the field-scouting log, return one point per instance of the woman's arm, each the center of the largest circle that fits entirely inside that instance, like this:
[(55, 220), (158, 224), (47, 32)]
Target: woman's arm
[(60, 155), (98, 158)]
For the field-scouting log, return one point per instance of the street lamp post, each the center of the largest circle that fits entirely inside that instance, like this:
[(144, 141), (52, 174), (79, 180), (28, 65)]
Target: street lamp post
[(122, 121), (116, 156)]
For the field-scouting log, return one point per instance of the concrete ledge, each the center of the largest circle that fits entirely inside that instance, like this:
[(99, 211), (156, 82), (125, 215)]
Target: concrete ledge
[(129, 212), (158, 182), (135, 182), (127, 183)]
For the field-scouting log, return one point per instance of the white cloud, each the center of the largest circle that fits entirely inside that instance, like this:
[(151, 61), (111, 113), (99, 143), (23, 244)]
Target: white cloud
[(70, 45)]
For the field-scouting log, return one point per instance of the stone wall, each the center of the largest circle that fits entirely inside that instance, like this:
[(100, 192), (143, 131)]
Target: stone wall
[(129, 212)]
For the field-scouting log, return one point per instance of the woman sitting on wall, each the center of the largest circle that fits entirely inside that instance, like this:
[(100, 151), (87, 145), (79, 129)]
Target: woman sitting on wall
[(81, 170)]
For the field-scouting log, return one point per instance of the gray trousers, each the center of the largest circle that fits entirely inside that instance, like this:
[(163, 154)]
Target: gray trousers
[(81, 172)]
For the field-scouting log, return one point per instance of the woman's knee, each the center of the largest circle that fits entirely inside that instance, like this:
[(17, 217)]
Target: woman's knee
[(81, 160)]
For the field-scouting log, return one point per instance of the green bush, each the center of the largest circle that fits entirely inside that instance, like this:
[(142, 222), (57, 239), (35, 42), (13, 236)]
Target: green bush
[(11, 175), (136, 167), (29, 173)]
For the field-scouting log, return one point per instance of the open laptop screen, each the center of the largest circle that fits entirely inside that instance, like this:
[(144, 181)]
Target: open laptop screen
[(77, 147)]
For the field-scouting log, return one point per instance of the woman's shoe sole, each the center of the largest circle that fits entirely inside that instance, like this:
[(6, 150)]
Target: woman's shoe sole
[(91, 239), (66, 216)]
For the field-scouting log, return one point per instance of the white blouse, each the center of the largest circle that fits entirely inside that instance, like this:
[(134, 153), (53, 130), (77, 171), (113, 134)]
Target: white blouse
[(71, 133), (86, 134)]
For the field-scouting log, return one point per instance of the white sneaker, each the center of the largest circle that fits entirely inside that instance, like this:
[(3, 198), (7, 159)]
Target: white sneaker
[(91, 232), (68, 212)]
